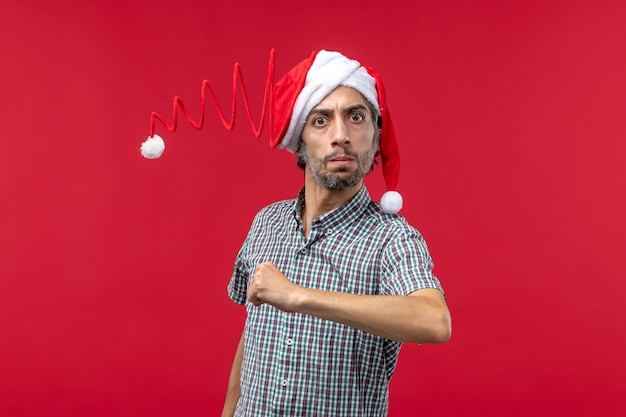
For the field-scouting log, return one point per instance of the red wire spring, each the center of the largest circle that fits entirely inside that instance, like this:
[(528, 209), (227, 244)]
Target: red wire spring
[(237, 74)]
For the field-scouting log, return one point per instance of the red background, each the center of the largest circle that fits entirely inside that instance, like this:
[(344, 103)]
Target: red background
[(113, 268)]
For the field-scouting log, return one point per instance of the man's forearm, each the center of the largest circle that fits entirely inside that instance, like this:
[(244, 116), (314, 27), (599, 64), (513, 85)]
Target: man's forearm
[(419, 317), (233, 392)]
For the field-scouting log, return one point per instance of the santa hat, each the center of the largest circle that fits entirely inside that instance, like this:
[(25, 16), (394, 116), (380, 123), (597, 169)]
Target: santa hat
[(293, 98)]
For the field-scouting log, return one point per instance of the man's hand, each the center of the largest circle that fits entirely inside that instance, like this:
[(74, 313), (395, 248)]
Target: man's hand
[(270, 286)]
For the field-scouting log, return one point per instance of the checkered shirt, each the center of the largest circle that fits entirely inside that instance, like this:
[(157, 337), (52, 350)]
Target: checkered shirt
[(299, 365)]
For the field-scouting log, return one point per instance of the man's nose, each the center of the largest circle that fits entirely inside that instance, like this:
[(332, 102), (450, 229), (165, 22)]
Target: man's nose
[(340, 133)]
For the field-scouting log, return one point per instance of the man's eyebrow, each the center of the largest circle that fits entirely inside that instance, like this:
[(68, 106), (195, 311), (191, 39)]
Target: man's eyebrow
[(319, 111), (348, 109)]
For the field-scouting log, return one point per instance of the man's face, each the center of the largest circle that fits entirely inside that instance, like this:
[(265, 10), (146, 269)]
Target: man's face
[(338, 139)]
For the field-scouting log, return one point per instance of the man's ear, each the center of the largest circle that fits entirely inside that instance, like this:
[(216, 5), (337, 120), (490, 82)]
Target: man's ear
[(299, 160), (298, 151)]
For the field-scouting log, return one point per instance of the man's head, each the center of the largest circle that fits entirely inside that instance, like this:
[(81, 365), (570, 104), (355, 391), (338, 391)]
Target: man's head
[(305, 87), (296, 98)]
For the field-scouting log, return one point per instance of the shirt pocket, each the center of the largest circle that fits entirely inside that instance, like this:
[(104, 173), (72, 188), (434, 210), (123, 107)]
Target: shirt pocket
[(356, 270)]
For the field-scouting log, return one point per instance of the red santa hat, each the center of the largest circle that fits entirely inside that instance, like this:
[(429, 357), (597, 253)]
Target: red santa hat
[(293, 98)]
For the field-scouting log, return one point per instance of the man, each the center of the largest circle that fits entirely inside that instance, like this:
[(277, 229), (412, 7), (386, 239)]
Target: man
[(332, 283)]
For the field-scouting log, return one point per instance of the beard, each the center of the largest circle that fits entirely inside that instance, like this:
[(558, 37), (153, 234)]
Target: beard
[(342, 178)]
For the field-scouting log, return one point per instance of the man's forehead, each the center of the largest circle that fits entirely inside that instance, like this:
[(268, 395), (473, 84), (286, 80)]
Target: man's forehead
[(343, 96)]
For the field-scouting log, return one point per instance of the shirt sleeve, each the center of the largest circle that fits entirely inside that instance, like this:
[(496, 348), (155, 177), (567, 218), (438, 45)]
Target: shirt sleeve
[(407, 265), (238, 284), (243, 268)]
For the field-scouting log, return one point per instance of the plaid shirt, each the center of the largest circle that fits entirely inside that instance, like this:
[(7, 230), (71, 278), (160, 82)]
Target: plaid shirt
[(299, 365)]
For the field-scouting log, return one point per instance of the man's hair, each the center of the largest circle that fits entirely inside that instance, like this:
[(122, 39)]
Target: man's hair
[(377, 131)]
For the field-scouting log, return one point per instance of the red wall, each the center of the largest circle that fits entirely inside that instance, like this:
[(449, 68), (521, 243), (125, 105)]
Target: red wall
[(113, 268)]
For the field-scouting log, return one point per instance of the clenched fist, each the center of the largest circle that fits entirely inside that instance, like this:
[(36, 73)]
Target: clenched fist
[(270, 286)]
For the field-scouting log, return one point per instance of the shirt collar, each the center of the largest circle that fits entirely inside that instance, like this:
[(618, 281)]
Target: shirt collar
[(339, 218)]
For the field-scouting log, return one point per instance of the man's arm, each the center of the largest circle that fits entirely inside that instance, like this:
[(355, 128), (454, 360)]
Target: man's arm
[(422, 316), (232, 395)]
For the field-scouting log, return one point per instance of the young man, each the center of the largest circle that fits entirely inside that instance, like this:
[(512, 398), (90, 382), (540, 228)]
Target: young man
[(331, 282)]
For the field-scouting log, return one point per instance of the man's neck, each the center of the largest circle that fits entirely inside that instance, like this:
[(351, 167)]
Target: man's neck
[(319, 200)]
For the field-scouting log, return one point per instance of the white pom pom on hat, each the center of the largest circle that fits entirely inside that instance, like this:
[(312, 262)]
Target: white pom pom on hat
[(152, 147), (391, 202), (292, 99)]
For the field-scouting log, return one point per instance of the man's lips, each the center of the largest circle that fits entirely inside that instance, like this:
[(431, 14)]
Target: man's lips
[(342, 159)]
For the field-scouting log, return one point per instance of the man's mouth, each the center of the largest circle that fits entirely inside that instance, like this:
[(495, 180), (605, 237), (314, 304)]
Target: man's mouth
[(341, 159)]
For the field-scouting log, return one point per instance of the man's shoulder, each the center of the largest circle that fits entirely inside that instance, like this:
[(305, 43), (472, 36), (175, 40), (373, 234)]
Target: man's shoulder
[(278, 206), (391, 223), (278, 209)]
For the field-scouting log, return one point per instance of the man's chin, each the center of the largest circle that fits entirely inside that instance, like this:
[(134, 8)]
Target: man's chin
[(339, 182)]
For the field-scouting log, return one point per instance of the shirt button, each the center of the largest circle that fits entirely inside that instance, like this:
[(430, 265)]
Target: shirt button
[(283, 383), (329, 231), (303, 251), (289, 342)]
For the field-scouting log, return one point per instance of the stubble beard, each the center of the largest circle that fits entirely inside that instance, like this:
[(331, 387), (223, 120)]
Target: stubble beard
[(343, 178)]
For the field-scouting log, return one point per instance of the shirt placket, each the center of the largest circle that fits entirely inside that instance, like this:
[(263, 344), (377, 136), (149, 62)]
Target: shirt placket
[(286, 379)]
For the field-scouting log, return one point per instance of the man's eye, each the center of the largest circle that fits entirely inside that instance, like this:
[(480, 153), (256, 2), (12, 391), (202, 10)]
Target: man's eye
[(356, 117), (319, 121)]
